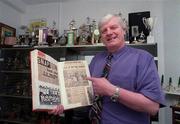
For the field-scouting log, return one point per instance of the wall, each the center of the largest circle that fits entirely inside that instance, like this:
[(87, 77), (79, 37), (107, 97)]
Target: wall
[(51, 12), (9, 15), (172, 39), (171, 48)]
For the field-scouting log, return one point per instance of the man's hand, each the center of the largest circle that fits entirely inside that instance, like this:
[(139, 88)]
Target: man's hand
[(101, 86), (58, 110)]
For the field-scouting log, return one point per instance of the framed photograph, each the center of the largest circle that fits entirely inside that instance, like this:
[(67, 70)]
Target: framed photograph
[(136, 19), (135, 31), (6, 31)]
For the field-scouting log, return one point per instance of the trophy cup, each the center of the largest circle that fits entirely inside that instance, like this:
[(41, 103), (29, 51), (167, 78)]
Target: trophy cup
[(149, 24), (95, 33)]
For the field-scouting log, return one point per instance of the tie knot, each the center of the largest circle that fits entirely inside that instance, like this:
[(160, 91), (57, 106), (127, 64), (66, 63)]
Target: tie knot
[(110, 56)]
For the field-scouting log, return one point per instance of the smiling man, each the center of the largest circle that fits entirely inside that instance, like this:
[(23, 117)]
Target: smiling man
[(131, 92)]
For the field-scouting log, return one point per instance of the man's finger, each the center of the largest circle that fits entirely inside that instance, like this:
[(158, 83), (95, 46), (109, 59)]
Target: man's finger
[(91, 78)]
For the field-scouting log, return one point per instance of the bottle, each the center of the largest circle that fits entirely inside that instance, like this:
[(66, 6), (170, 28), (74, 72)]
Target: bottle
[(171, 87), (167, 88), (162, 80)]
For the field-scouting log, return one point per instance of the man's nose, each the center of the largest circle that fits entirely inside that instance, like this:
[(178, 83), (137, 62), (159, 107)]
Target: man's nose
[(109, 31)]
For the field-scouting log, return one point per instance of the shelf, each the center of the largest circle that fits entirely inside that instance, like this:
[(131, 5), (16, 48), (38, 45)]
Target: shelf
[(177, 120), (85, 49), (18, 71), (175, 114), (172, 93), (13, 96), (13, 121)]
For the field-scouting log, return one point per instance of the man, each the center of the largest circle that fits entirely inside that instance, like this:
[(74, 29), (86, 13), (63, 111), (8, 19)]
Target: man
[(131, 92)]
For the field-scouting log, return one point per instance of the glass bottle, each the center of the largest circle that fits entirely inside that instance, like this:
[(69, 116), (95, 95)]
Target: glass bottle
[(162, 80)]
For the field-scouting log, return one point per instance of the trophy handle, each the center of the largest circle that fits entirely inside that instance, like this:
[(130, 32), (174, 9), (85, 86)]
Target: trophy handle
[(144, 20)]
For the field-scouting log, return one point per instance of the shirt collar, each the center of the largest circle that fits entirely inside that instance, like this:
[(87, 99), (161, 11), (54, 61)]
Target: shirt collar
[(119, 52)]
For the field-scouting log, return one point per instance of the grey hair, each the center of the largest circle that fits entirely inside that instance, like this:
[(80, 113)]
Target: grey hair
[(107, 17)]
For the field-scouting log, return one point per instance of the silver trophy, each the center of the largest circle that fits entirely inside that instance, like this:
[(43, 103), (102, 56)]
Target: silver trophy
[(149, 24)]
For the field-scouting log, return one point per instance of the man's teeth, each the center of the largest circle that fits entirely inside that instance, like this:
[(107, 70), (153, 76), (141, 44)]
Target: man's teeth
[(111, 38)]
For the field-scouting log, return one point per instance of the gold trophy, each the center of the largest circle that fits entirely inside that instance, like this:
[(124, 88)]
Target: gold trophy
[(149, 24)]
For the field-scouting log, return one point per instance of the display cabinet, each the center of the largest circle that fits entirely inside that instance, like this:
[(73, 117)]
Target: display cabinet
[(175, 114), (15, 80)]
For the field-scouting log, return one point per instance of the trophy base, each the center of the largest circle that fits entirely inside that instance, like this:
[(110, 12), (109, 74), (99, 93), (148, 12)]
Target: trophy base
[(150, 39)]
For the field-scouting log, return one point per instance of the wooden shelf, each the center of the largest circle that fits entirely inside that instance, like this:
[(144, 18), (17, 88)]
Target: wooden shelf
[(15, 96), (16, 71), (13, 121)]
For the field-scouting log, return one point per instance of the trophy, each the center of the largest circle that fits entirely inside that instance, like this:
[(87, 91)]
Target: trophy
[(72, 34), (149, 24), (95, 33)]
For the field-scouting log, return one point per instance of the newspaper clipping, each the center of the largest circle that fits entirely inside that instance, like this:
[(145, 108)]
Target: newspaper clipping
[(75, 80)]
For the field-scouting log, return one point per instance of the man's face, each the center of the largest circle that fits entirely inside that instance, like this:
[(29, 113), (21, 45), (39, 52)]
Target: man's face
[(112, 34)]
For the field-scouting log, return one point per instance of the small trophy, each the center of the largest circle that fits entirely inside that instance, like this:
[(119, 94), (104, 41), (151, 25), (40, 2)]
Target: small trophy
[(170, 87), (149, 24), (43, 37)]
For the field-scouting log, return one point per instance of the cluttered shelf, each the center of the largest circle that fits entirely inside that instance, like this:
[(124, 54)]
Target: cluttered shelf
[(83, 49)]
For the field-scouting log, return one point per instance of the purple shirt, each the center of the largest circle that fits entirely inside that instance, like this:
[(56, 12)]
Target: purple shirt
[(134, 70)]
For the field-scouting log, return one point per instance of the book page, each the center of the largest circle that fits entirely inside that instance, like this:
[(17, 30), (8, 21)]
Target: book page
[(45, 81), (76, 89)]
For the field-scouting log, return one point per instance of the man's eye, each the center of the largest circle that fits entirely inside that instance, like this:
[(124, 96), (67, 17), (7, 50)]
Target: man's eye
[(113, 27), (103, 31)]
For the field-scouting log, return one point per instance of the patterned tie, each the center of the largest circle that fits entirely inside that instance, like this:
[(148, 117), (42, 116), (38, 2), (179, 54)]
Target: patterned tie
[(95, 111)]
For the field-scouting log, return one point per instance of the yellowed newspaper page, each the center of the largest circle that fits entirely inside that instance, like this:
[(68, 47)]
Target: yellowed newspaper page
[(45, 82), (76, 89)]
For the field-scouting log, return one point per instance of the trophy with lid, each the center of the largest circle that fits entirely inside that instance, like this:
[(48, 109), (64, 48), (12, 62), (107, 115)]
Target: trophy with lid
[(85, 31), (149, 24), (95, 33)]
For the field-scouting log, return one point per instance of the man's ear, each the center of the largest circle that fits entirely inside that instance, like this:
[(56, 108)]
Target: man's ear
[(124, 31)]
